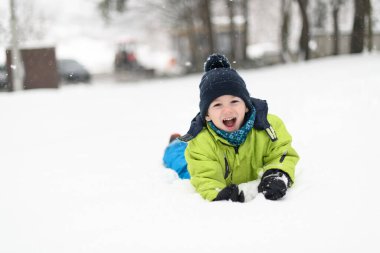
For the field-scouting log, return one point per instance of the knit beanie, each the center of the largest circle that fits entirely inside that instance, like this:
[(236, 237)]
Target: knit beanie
[(220, 79)]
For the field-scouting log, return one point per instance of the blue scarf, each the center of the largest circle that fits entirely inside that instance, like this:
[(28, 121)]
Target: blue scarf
[(237, 137)]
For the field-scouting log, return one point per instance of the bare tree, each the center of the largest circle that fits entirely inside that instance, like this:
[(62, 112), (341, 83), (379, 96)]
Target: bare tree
[(183, 19), (26, 30), (357, 36), (232, 29), (245, 35), (205, 10), (305, 35), (16, 73), (121, 5), (285, 14), (368, 8), (335, 11), (106, 7), (362, 20), (191, 33), (31, 31)]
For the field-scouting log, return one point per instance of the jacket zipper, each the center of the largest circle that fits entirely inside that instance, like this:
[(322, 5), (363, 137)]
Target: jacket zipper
[(227, 166)]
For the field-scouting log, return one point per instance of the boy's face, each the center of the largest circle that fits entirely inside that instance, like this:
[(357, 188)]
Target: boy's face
[(227, 112)]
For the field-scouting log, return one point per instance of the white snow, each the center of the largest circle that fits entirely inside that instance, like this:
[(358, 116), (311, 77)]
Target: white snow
[(81, 169), (250, 189)]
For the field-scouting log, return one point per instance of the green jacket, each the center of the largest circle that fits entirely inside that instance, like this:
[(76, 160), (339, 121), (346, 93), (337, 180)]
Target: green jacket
[(213, 163)]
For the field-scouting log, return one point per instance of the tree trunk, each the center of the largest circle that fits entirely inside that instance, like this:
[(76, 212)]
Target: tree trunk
[(120, 5), (336, 38), (206, 19), (369, 25), (231, 11), (357, 36), (305, 36), (192, 37), (17, 69), (285, 13), (245, 29)]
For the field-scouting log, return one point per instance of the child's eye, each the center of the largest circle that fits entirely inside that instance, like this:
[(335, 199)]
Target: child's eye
[(217, 105), (235, 101)]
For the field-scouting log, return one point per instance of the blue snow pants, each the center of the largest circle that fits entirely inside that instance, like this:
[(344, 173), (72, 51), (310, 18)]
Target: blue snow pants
[(174, 158)]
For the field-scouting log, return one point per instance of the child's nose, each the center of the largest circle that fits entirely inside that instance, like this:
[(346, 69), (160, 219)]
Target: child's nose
[(227, 109)]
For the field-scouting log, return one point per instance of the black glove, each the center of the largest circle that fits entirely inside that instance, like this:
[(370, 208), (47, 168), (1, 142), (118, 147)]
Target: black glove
[(230, 192), (273, 184)]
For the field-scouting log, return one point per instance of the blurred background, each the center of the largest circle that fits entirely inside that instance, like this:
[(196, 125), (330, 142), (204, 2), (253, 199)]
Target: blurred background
[(45, 44)]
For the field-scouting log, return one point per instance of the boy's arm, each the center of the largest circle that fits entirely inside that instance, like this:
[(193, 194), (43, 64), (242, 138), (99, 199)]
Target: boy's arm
[(280, 154), (205, 170)]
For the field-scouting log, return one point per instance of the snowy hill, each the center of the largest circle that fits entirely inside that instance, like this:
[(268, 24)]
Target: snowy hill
[(80, 167)]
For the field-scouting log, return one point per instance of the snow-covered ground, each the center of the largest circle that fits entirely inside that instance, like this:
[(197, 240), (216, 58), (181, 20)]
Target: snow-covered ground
[(81, 170)]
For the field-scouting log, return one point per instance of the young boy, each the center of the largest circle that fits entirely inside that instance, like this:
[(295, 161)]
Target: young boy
[(233, 140)]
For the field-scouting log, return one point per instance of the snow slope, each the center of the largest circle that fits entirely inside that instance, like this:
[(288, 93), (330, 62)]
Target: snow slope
[(80, 167)]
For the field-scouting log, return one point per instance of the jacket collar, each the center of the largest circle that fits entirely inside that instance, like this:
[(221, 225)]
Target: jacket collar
[(261, 122)]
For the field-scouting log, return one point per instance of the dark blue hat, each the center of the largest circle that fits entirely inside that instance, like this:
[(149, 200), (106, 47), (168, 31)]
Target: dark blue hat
[(220, 79)]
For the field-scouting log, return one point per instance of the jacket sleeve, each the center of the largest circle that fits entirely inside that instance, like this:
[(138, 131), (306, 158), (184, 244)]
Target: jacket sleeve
[(280, 154), (205, 170)]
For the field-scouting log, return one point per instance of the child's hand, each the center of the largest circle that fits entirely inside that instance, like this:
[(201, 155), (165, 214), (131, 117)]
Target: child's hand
[(274, 184), (232, 193)]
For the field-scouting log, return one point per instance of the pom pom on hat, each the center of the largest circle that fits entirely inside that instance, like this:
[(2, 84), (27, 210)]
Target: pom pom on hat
[(215, 61)]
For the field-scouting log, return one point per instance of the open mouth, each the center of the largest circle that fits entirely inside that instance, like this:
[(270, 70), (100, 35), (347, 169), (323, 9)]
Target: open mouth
[(229, 122)]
